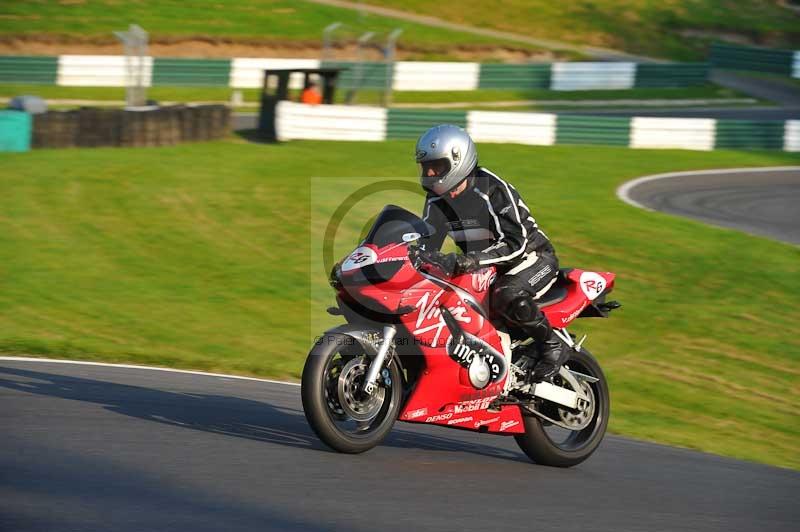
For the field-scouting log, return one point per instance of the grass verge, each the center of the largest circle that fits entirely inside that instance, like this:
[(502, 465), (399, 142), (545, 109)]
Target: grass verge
[(200, 256), (680, 29), (248, 21), (373, 97)]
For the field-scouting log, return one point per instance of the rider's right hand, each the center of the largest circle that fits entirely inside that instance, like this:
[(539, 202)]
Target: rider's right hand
[(445, 263), (415, 256)]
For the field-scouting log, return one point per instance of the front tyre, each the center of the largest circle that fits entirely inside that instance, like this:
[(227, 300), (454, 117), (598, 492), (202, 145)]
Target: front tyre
[(343, 417), (546, 444)]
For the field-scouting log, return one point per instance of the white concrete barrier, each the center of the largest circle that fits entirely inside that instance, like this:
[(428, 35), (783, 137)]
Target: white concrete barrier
[(587, 76), (329, 122), (435, 76), (99, 70), (520, 128), (684, 133), (791, 135), (248, 72)]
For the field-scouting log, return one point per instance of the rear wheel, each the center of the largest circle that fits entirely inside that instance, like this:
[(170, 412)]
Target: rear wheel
[(549, 444), (339, 412)]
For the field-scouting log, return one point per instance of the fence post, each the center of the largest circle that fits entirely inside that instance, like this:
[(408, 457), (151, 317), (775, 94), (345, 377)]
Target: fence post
[(134, 42), (389, 51), (358, 79), (327, 40)]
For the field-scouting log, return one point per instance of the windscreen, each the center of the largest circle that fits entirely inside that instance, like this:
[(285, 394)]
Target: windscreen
[(395, 224)]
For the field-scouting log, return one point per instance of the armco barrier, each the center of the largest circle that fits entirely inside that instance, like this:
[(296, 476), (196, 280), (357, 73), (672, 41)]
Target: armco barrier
[(99, 70), (589, 76), (785, 62), (111, 71), (435, 76), (28, 69), (654, 75), (366, 75), (685, 133), (791, 135), (159, 126), (341, 122), (500, 76), (518, 128), (330, 122), (735, 134), (183, 72), (607, 130), (407, 123)]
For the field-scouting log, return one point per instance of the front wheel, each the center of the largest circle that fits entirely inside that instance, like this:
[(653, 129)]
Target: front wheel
[(344, 417), (548, 444)]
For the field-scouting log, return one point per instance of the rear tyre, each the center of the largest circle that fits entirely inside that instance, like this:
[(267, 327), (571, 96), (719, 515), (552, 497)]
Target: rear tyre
[(342, 416), (549, 445)]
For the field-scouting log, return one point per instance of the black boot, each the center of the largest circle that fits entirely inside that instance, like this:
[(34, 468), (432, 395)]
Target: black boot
[(553, 356), (525, 314)]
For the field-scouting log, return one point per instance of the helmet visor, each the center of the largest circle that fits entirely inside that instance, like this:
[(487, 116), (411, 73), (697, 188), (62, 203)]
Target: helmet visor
[(434, 169)]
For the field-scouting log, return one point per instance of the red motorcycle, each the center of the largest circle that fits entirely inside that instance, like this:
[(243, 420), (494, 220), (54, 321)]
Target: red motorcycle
[(422, 348)]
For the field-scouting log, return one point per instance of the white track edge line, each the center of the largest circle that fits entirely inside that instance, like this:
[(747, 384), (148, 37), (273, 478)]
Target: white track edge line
[(152, 368), (623, 191)]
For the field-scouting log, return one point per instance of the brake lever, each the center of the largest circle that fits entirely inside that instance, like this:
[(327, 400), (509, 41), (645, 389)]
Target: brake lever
[(416, 259)]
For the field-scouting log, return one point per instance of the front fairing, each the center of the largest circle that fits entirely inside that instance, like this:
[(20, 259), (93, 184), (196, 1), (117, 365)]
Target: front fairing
[(374, 275), (375, 278)]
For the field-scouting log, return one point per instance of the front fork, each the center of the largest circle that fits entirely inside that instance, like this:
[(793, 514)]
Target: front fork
[(370, 383)]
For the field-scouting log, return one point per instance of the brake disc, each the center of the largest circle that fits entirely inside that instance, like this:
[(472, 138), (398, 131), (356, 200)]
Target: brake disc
[(355, 403), (581, 417)]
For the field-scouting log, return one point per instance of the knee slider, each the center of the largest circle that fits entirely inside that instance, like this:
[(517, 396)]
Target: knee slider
[(514, 304), (523, 309)]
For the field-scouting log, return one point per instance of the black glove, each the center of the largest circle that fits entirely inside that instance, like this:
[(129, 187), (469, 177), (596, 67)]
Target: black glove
[(450, 264)]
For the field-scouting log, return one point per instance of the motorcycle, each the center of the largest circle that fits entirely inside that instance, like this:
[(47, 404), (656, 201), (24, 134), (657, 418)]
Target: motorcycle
[(420, 347)]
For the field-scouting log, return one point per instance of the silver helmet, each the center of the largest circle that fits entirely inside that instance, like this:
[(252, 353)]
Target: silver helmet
[(446, 156)]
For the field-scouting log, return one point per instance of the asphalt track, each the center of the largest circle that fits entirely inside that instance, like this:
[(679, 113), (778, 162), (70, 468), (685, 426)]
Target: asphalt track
[(761, 201), (97, 448)]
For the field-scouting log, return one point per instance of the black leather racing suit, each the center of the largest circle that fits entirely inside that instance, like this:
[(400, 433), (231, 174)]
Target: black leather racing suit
[(490, 221)]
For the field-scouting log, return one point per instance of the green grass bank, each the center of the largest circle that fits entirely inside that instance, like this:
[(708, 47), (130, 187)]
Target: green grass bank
[(679, 30), (278, 22), (205, 256)]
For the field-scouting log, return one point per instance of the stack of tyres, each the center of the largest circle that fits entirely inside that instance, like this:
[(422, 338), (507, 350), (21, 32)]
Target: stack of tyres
[(186, 123), (172, 125), (98, 127), (165, 126), (55, 129)]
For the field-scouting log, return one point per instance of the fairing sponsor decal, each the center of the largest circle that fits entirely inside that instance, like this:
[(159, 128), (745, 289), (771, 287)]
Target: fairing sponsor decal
[(465, 350), (414, 414), (482, 279), (472, 406), (505, 425), (430, 316)]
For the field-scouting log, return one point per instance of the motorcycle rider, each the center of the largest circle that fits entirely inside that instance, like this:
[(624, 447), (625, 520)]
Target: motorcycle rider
[(492, 225)]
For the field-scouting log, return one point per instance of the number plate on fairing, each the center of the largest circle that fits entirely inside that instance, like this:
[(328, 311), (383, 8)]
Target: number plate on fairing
[(362, 256)]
